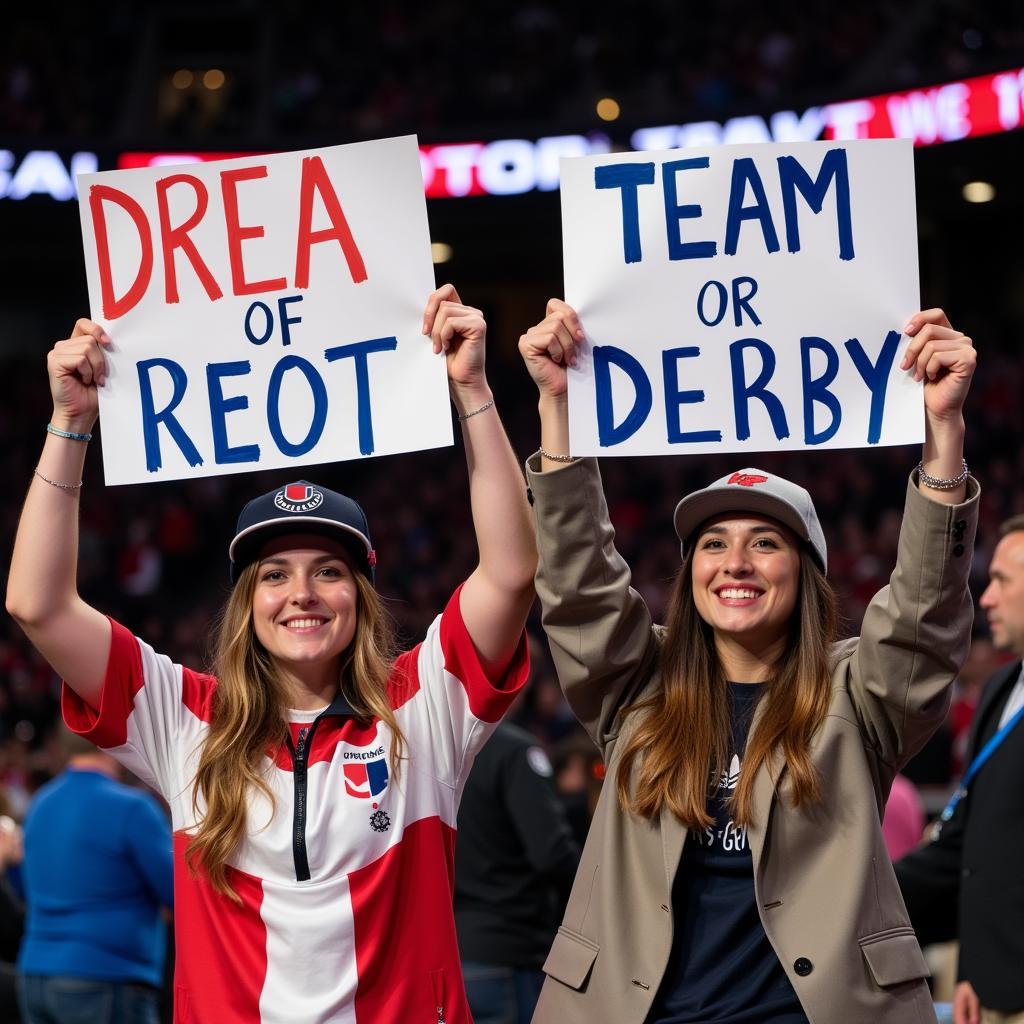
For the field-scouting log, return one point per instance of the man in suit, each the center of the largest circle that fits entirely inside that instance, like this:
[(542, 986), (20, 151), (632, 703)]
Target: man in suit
[(967, 882)]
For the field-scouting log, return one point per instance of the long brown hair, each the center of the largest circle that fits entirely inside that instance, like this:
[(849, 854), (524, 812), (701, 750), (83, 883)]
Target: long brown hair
[(249, 717), (683, 736)]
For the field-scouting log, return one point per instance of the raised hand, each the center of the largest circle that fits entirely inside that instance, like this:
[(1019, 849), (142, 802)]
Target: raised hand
[(550, 346), (460, 332), (76, 367), (944, 358)]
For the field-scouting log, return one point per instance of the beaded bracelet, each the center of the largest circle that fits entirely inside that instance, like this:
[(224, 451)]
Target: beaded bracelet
[(937, 483), (69, 434), (557, 458)]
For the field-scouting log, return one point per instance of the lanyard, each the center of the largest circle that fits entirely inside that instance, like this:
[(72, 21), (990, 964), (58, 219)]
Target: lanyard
[(976, 765)]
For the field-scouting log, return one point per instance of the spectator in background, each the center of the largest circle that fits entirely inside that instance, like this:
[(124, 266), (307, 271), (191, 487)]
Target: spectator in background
[(967, 882), (97, 872), (903, 822), (12, 917), (515, 859)]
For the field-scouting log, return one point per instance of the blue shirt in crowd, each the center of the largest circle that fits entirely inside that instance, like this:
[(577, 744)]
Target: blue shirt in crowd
[(98, 869)]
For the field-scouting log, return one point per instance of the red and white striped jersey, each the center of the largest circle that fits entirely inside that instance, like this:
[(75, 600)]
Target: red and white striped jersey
[(346, 888)]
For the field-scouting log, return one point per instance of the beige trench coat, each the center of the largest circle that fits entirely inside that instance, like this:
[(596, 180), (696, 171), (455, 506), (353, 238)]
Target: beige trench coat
[(824, 885)]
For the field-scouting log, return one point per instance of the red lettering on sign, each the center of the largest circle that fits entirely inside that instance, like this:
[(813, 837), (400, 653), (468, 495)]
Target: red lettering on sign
[(315, 179), (114, 307), (172, 238), (237, 233)]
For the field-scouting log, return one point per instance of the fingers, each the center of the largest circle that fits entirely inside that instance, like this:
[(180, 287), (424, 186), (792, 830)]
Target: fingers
[(81, 356), (926, 316), (931, 337), (446, 293), (451, 319), (83, 326), (568, 316)]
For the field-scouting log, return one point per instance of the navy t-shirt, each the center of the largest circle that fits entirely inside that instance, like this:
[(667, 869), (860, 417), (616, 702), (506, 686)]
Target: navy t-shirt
[(722, 968)]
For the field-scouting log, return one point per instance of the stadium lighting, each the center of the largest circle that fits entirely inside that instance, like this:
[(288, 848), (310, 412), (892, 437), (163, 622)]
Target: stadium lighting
[(608, 109), (182, 78), (441, 252), (213, 79), (979, 192)]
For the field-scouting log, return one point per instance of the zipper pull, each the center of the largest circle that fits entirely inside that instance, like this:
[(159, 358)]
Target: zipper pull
[(440, 1015), (300, 747)]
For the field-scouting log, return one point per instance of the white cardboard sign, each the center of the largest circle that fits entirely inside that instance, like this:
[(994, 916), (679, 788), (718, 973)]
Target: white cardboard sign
[(265, 312), (742, 298)]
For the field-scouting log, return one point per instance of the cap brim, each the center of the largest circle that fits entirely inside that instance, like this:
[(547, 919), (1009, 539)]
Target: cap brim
[(702, 506), (246, 545)]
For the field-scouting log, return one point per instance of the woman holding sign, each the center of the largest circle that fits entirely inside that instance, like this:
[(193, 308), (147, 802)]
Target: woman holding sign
[(735, 869), (314, 778)]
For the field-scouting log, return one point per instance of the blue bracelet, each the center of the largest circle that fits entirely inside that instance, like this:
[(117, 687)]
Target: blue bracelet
[(70, 435)]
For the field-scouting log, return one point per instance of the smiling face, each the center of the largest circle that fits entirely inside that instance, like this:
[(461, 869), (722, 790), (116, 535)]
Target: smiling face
[(746, 579), (304, 607)]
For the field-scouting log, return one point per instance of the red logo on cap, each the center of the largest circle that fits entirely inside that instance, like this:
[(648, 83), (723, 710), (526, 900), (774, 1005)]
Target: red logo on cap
[(371, 557), (747, 479)]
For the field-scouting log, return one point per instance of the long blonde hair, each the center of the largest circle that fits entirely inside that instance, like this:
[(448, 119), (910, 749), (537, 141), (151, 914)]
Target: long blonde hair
[(248, 720), (682, 740)]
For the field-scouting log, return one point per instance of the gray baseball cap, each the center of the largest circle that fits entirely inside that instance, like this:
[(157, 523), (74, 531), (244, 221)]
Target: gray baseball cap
[(754, 490)]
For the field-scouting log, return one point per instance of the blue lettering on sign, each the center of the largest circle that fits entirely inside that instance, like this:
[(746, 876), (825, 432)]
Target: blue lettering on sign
[(268, 323), (876, 376), (674, 398), (793, 177), (742, 393), (628, 178), (816, 389), (744, 172), (319, 417), (286, 320), (674, 212), (151, 419), (358, 353), (604, 357), (223, 453)]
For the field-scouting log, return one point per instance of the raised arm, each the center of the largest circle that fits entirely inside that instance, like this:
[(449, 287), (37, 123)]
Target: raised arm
[(916, 631), (42, 588), (598, 626), (497, 596)]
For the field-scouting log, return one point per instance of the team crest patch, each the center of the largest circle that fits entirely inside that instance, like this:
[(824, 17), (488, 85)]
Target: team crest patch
[(380, 821), (366, 779), (298, 498)]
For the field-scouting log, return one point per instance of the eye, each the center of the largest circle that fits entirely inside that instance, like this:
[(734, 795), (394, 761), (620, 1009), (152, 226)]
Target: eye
[(765, 543), (272, 576), (712, 544), (331, 572)]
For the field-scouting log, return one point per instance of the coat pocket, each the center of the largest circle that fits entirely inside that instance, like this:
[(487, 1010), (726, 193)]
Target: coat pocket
[(894, 956), (571, 958)]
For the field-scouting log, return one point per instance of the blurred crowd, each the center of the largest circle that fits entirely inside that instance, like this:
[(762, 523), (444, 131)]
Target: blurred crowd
[(355, 71)]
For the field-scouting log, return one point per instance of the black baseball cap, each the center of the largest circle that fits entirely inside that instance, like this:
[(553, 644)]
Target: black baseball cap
[(302, 507)]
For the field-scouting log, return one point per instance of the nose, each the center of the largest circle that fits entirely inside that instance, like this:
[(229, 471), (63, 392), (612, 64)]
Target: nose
[(301, 592), (737, 563), (987, 599)]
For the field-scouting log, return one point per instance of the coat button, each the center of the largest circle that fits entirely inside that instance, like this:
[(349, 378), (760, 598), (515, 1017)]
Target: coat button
[(958, 550), (803, 966), (961, 525)]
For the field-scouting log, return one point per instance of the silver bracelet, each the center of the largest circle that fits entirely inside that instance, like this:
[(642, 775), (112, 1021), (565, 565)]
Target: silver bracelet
[(476, 412), (557, 458), (937, 483), (57, 483)]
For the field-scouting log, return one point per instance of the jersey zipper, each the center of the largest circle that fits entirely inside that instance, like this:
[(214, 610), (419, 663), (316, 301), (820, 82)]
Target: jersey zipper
[(437, 982), (300, 757)]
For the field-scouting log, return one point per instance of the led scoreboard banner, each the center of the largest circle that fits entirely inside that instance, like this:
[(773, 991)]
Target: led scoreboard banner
[(964, 109)]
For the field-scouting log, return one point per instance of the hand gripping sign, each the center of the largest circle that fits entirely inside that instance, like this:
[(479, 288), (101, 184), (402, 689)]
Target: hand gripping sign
[(265, 311), (742, 298)]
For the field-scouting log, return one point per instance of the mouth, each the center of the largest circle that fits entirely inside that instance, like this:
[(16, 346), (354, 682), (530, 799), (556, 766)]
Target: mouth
[(304, 624), (738, 596)]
